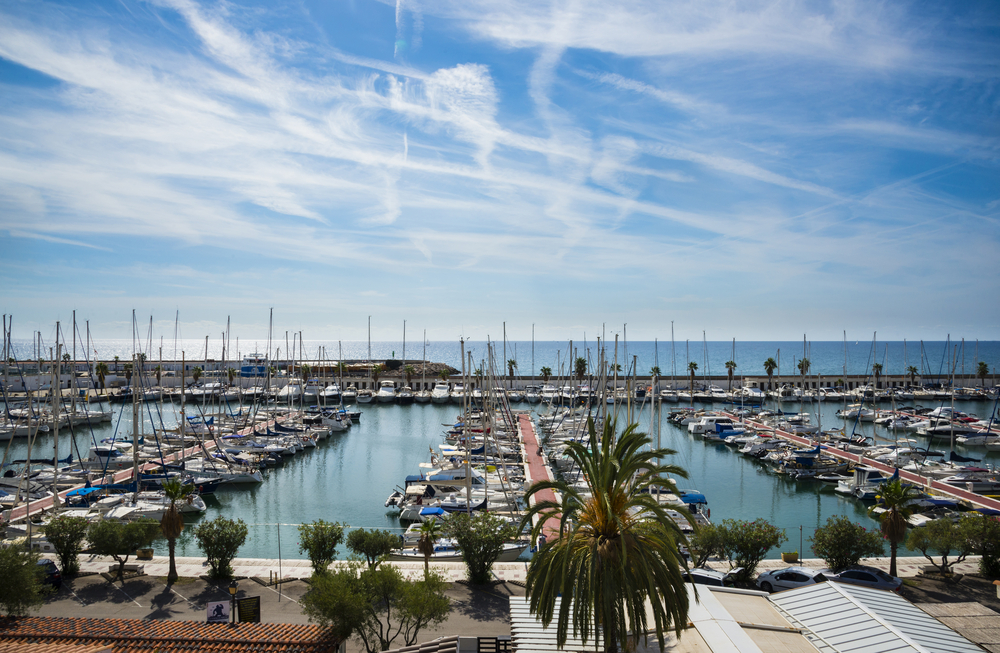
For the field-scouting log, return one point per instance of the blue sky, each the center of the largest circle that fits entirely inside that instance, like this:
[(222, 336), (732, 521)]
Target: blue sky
[(756, 170)]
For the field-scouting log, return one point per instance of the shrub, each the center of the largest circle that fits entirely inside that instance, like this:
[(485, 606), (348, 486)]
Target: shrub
[(705, 543), (66, 534), (320, 540), (120, 539), (480, 538), (841, 543), (220, 540), (943, 537), (746, 543), (372, 545), (987, 539), (22, 588)]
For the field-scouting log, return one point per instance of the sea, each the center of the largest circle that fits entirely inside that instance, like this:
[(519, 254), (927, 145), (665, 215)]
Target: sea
[(934, 360)]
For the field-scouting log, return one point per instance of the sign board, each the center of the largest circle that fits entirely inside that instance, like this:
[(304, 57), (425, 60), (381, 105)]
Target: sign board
[(217, 612), (248, 609)]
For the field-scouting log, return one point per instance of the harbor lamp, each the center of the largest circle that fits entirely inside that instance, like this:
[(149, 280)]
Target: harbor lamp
[(233, 588)]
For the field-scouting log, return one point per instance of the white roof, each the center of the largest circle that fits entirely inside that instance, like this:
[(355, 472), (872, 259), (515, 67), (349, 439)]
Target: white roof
[(851, 618)]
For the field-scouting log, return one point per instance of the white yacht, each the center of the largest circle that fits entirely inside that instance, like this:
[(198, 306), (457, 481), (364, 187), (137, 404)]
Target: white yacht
[(458, 393), (441, 393), (386, 392)]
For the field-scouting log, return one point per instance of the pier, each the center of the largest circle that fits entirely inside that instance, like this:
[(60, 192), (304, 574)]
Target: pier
[(536, 470)]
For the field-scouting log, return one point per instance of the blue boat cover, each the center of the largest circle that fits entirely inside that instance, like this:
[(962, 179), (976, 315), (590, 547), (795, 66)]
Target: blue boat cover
[(432, 511), (694, 497)]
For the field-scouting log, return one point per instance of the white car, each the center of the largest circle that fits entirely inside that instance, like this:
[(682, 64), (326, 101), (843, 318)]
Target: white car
[(790, 577)]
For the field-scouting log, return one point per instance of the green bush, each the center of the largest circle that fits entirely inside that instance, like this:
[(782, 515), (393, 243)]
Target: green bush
[(320, 540), (372, 545), (705, 543), (480, 538), (746, 543), (66, 535), (944, 537), (220, 540), (841, 543), (22, 588), (121, 539)]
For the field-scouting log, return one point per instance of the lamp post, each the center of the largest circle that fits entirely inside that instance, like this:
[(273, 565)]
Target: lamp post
[(233, 588)]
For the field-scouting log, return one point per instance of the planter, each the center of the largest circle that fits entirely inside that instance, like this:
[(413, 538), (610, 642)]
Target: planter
[(790, 557), (144, 554)]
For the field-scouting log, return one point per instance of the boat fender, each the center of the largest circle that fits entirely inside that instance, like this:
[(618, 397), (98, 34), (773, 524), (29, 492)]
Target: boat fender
[(708, 513)]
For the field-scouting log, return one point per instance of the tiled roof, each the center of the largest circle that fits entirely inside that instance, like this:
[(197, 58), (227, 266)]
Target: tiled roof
[(17, 647), (439, 645), (147, 636)]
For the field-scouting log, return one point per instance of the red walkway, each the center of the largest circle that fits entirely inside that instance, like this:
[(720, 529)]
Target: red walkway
[(537, 470), (930, 484)]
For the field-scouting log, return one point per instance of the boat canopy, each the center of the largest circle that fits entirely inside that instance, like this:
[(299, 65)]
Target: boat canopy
[(693, 498)]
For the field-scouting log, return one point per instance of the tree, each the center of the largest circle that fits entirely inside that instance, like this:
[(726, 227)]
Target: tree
[(617, 548), (320, 540), (196, 374), (896, 499), (304, 371), (66, 534), (480, 537), (220, 540), (877, 371), (120, 539), (372, 545), (803, 366), (580, 367), (102, 373), (116, 365), (769, 366), (128, 373), (172, 522), (985, 532), (159, 373), (841, 543), (376, 605), (944, 537), (731, 368), (377, 372), (230, 374), (22, 588), (511, 366), (705, 543), (692, 368), (746, 543), (912, 371), (409, 371), (982, 371), (444, 374), (430, 531), (546, 373), (654, 371)]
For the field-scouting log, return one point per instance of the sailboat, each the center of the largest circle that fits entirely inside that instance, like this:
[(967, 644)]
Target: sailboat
[(423, 396)]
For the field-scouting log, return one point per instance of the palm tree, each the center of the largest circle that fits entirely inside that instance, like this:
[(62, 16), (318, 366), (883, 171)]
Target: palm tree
[(304, 371), (128, 373), (172, 522), (769, 366), (546, 374), (376, 372), (159, 373), (730, 367), (982, 372), (692, 368), (116, 365), (654, 371), (580, 367), (511, 366), (912, 370), (877, 371), (409, 371), (231, 374), (803, 366), (896, 499), (196, 374), (430, 530), (617, 547), (444, 374), (102, 372)]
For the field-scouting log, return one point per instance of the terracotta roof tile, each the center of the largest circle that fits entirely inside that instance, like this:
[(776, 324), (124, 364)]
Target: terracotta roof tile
[(141, 636)]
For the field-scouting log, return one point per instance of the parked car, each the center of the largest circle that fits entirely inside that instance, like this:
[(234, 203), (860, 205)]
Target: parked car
[(706, 576), (790, 577), (50, 573), (868, 577)]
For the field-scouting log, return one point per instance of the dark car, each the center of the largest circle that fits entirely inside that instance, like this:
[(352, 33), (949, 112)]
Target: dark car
[(868, 577), (50, 573)]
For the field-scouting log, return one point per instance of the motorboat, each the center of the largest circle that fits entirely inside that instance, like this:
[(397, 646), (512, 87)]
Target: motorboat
[(441, 394), (386, 392)]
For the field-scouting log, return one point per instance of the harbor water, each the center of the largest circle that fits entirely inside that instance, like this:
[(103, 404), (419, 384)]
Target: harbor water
[(348, 476)]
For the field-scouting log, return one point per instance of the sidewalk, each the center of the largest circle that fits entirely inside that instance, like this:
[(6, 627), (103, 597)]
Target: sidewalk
[(288, 569)]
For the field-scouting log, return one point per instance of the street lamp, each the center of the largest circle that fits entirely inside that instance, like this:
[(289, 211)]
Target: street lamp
[(233, 588)]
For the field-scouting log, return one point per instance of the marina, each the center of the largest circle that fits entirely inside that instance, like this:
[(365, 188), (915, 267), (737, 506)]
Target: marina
[(345, 475)]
